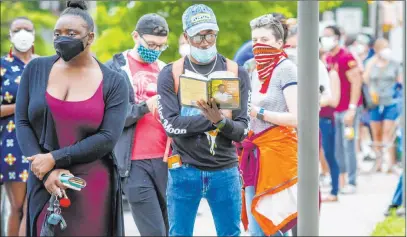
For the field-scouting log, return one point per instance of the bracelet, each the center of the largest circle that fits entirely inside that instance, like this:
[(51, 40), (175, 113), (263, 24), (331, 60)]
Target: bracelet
[(220, 124)]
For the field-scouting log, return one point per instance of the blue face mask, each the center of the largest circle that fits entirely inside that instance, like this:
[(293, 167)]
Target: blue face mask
[(148, 55), (203, 55)]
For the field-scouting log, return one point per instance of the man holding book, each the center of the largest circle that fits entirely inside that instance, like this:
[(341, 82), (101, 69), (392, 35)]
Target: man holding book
[(141, 147), (204, 161)]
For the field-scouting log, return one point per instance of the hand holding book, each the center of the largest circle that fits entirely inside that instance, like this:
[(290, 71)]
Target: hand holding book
[(221, 86), (210, 110)]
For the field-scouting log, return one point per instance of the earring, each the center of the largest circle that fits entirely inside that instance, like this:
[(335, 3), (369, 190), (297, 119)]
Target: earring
[(10, 53)]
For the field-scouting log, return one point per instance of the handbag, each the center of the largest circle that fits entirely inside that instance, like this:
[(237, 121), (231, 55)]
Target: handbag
[(367, 98)]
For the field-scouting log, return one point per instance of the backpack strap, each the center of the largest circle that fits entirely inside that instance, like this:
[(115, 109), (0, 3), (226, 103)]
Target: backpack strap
[(177, 70)]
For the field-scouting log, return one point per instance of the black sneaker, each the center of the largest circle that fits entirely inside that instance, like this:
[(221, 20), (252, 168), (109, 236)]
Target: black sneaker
[(391, 209)]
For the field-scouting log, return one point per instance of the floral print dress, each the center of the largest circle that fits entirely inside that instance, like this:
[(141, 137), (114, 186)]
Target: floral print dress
[(13, 165)]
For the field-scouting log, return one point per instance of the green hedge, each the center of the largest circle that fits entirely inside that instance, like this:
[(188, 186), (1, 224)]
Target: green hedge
[(391, 226)]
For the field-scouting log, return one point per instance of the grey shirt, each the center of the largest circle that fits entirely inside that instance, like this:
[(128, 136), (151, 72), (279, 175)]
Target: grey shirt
[(382, 81), (284, 75)]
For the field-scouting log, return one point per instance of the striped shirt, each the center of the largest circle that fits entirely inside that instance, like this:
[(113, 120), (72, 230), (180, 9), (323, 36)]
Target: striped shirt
[(284, 75)]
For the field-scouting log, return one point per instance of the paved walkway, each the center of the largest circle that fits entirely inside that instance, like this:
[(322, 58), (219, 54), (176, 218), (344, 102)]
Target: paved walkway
[(353, 215)]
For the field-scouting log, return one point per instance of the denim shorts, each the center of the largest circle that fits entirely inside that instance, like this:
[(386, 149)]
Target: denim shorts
[(385, 112)]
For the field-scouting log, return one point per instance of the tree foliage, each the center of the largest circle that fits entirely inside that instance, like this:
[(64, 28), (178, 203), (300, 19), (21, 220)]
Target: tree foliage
[(116, 21), (42, 19)]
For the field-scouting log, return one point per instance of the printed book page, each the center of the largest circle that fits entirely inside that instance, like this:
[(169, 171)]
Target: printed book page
[(226, 92), (192, 90)]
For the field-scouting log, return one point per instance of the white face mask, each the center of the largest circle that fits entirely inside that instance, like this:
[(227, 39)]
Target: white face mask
[(184, 50), (385, 54), (204, 56), (328, 43), (22, 40)]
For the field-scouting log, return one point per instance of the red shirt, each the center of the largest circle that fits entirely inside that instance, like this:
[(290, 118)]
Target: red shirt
[(150, 138), (342, 62)]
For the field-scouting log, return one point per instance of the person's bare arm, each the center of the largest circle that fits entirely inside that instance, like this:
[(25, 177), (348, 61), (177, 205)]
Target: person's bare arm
[(400, 77), (335, 88), (366, 73), (355, 78), (7, 110)]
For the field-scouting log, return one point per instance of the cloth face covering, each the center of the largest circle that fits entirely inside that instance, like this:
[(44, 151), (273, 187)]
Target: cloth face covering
[(267, 58)]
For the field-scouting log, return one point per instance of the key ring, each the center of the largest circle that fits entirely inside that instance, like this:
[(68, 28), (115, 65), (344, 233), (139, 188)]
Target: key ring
[(57, 209), (58, 193)]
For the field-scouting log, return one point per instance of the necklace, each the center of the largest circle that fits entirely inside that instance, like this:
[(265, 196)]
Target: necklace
[(216, 59)]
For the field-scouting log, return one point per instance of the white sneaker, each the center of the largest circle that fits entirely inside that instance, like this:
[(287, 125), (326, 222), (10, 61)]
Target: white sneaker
[(349, 189), (325, 181)]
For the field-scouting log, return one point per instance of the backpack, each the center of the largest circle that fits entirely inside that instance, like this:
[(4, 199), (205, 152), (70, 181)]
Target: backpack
[(177, 70)]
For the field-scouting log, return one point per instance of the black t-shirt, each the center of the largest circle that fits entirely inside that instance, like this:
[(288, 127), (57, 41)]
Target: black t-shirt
[(194, 136)]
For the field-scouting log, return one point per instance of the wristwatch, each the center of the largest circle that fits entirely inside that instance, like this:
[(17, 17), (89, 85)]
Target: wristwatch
[(260, 114), (220, 124)]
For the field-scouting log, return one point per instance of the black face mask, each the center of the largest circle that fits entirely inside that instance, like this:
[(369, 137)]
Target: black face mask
[(68, 48)]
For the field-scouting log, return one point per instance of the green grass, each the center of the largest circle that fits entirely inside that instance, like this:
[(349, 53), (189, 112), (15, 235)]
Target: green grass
[(391, 226)]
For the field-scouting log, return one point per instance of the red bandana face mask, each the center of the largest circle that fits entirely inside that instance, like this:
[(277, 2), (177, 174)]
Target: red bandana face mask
[(267, 58)]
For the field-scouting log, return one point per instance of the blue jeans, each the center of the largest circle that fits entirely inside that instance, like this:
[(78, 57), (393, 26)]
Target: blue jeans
[(328, 144), (398, 194), (345, 149), (254, 228), (187, 185)]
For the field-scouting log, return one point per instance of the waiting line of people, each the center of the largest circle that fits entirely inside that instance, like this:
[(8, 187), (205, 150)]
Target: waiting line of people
[(120, 126)]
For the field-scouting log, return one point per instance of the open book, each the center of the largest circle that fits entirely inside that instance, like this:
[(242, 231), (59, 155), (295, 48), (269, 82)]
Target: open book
[(223, 86)]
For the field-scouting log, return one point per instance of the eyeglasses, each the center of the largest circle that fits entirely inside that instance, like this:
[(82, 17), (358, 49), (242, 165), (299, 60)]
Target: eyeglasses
[(262, 20), (154, 46), (197, 39), (266, 20)]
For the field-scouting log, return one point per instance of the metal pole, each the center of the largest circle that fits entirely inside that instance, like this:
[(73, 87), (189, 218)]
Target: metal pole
[(373, 17), (308, 118), (378, 19)]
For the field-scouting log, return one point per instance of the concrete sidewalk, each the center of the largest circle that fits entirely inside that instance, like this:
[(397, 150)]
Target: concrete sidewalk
[(358, 214), (353, 215)]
